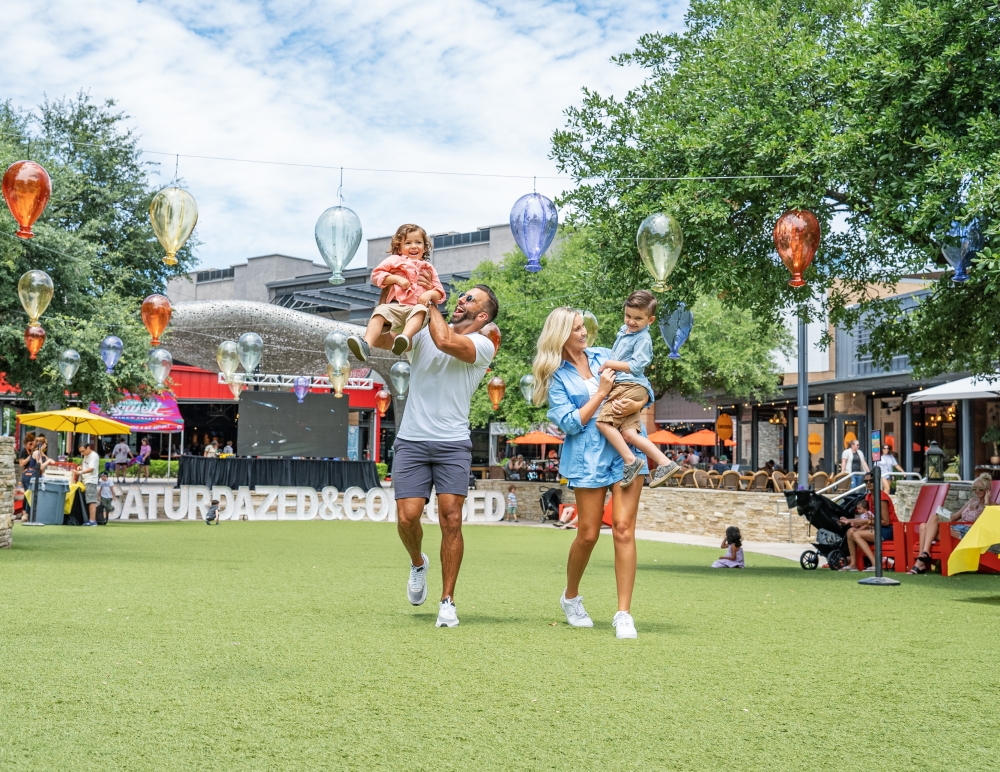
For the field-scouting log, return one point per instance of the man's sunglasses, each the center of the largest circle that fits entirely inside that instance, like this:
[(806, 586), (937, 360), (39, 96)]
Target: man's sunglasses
[(468, 297)]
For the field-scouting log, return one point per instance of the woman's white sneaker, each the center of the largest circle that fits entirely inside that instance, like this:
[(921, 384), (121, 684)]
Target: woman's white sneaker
[(624, 625), (575, 613), (447, 614), (416, 588)]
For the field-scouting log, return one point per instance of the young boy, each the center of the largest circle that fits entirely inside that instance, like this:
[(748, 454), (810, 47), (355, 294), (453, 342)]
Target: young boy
[(511, 504), (404, 313), (106, 493), (630, 356), (212, 516)]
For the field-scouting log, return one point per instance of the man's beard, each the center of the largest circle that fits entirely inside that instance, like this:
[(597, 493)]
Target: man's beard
[(465, 316)]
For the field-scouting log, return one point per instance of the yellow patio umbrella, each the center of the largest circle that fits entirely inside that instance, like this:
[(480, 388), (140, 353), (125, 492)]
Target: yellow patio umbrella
[(73, 419)]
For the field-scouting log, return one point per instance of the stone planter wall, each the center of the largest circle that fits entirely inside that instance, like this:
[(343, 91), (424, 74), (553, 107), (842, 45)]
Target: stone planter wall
[(528, 494), (6, 490)]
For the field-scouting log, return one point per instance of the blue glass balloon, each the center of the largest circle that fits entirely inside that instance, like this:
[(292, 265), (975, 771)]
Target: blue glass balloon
[(675, 329), (962, 242), (338, 235), (111, 351), (301, 387), (533, 221)]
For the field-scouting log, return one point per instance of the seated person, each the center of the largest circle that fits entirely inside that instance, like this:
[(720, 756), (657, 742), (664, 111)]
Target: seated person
[(517, 468), (721, 465), (963, 520), (862, 532), (567, 519)]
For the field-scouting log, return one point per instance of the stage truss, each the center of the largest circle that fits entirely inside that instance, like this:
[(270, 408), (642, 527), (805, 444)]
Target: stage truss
[(286, 382)]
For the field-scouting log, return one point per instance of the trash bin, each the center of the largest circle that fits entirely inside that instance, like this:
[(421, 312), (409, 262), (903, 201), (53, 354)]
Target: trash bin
[(51, 501)]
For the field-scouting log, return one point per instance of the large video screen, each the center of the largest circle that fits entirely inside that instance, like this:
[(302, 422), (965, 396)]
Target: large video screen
[(275, 424)]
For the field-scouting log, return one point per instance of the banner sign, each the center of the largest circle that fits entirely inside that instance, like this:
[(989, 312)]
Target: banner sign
[(156, 413)]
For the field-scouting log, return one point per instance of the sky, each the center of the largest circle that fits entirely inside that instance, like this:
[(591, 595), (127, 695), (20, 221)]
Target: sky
[(449, 86)]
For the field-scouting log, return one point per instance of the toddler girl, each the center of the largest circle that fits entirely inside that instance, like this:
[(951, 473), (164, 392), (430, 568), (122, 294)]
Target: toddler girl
[(733, 544), (404, 312)]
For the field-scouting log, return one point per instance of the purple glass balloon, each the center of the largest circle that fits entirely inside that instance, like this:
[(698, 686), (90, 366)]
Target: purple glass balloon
[(962, 243), (111, 351), (533, 221), (675, 329), (301, 387)]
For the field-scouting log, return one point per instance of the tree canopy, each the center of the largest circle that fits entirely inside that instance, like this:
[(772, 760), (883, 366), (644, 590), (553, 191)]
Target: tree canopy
[(95, 242), (880, 116)]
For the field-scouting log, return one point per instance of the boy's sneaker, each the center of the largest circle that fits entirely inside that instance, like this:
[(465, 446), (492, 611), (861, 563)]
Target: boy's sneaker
[(416, 588), (624, 625), (631, 470), (575, 613), (400, 345), (359, 347), (447, 614), (662, 473)]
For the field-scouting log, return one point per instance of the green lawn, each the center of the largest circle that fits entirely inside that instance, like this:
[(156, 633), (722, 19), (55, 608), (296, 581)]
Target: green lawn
[(278, 646)]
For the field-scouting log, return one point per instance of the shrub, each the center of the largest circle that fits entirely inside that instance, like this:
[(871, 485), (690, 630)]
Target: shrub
[(158, 468), (383, 470)]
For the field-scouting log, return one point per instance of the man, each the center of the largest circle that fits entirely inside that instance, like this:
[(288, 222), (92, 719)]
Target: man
[(89, 476), (122, 454), (720, 464), (433, 445)]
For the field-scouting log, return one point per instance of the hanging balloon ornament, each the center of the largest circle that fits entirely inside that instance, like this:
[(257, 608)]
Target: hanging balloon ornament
[(160, 362), (659, 240), (69, 363), (111, 351), (528, 387), (300, 387), (675, 329), (399, 375), (796, 237), (249, 348), (173, 213), (228, 358), (590, 325), (533, 221), (961, 244), (26, 189), (338, 380), (34, 288), (496, 388), (338, 235), (235, 387), (156, 311), (34, 339), (335, 348), (382, 401)]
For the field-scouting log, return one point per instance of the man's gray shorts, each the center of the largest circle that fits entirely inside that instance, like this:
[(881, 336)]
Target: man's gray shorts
[(90, 493), (419, 466)]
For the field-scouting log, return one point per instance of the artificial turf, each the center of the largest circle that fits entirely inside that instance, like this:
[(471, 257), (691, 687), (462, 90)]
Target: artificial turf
[(291, 646)]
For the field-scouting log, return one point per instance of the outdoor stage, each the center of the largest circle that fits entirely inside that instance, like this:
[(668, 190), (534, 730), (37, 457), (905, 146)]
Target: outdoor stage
[(286, 472)]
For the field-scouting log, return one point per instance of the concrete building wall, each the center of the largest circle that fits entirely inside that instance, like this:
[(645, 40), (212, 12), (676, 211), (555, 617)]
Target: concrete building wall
[(249, 281)]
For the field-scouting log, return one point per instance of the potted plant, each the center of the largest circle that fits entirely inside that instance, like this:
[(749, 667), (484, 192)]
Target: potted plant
[(992, 436)]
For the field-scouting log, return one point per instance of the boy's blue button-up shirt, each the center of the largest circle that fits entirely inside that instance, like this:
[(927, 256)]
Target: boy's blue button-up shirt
[(636, 348)]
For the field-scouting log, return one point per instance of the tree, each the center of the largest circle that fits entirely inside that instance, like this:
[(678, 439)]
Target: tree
[(94, 240), (880, 116), (727, 351)]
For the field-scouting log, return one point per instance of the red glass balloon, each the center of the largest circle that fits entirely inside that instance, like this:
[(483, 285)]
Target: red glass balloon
[(34, 339), (156, 311), (496, 388), (26, 189), (796, 236), (382, 401)]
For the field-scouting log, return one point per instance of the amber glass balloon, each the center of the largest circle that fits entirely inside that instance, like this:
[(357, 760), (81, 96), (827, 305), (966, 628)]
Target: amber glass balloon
[(26, 189), (796, 237), (34, 339), (338, 380), (382, 401), (492, 332), (156, 312), (496, 389)]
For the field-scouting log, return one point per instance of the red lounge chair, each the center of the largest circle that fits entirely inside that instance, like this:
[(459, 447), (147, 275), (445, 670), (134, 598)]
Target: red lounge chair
[(930, 498), (895, 548), (995, 492)]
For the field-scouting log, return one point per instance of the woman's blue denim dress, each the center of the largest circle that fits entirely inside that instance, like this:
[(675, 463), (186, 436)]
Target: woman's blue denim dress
[(587, 460)]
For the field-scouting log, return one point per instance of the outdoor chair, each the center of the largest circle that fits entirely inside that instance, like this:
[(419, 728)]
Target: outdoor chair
[(930, 498), (843, 483), (731, 481), (819, 481), (995, 492), (701, 479), (687, 479), (781, 482), (759, 482), (714, 478)]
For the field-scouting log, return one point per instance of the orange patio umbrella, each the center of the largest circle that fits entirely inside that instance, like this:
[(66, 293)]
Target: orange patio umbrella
[(704, 437), (665, 437), (537, 438)]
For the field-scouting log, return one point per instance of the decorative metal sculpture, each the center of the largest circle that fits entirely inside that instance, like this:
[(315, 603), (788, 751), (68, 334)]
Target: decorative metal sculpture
[(659, 240), (796, 237), (961, 244), (156, 311), (533, 221), (338, 235), (27, 188), (675, 329), (250, 348), (173, 214), (69, 363), (111, 351)]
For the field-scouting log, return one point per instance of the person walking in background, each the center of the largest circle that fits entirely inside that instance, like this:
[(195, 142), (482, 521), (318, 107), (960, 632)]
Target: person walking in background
[(145, 451), (733, 544), (512, 504), (888, 464), (852, 462), (121, 453)]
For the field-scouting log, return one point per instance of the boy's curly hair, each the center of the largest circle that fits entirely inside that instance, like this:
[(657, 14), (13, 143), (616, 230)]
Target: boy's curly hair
[(400, 236)]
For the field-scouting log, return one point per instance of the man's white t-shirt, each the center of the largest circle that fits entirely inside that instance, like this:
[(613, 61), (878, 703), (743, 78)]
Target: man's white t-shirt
[(91, 462), (441, 388), (120, 452)]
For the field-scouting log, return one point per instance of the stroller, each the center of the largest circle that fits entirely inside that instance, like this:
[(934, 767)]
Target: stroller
[(550, 500), (824, 515)]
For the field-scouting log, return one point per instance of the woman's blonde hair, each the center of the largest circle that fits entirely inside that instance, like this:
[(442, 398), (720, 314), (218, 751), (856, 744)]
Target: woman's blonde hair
[(984, 481), (558, 327), (400, 236)]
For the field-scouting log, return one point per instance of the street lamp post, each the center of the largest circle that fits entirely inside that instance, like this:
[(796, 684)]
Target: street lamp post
[(803, 400)]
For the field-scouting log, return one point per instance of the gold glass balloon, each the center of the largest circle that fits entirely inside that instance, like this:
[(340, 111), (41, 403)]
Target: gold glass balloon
[(228, 358), (173, 214), (659, 240), (338, 379), (235, 387), (35, 290)]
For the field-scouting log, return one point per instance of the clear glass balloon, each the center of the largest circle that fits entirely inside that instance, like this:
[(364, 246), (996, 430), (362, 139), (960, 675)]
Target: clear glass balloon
[(69, 363), (160, 362), (590, 325), (235, 387), (338, 380), (338, 235), (335, 348), (659, 240), (533, 221), (228, 358), (675, 328), (250, 347), (35, 289), (528, 387), (301, 387), (173, 213), (156, 312), (27, 188), (399, 375), (959, 246), (111, 351)]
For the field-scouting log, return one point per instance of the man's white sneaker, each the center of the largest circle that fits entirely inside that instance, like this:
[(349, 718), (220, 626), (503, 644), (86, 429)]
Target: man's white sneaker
[(416, 588), (400, 345), (575, 613), (447, 614), (624, 625), (663, 473)]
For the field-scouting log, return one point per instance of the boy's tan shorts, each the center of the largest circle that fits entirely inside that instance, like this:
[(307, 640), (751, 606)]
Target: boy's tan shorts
[(606, 414), (396, 315)]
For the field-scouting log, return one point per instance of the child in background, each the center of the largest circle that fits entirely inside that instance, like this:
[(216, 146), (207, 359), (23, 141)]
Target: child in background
[(212, 516), (106, 494), (733, 544), (405, 309), (511, 504), (630, 356)]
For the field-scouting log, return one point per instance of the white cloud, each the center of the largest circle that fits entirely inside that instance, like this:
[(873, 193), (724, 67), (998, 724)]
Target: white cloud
[(453, 85)]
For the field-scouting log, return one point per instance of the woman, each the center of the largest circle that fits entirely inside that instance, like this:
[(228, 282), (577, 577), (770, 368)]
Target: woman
[(565, 372), (145, 451), (963, 520), (38, 462), (861, 532), (888, 464), (852, 462), (517, 468)]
